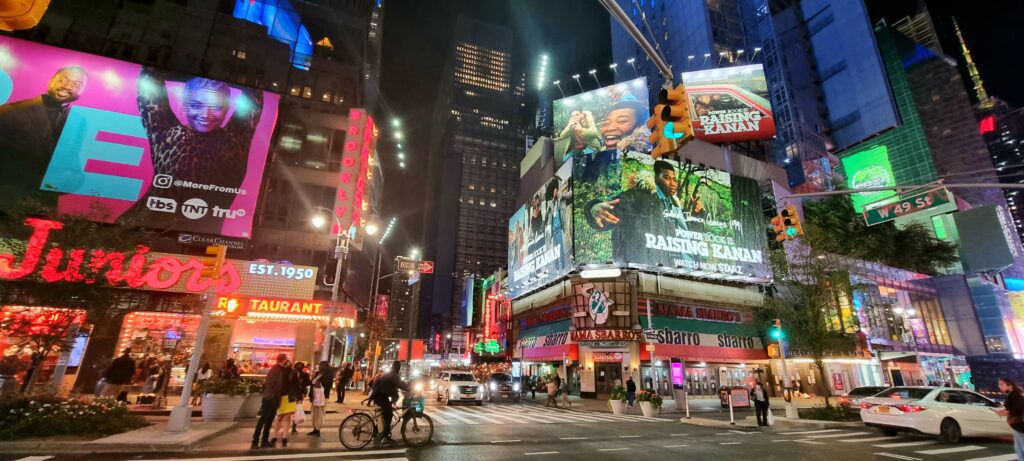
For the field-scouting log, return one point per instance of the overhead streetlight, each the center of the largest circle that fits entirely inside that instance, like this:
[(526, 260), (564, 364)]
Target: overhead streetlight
[(593, 73), (689, 59), (706, 56), (396, 123), (756, 50), (558, 84), (319, 220), (414, 253), (577, 78), (722, 55), (632, 62), (399, 135), (371, 228)]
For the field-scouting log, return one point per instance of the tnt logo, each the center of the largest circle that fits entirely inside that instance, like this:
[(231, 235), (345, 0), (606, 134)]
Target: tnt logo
[(194, 208), (164, 205), (228, 213)]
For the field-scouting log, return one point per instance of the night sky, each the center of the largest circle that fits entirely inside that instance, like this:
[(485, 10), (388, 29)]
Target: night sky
[(418, 37)]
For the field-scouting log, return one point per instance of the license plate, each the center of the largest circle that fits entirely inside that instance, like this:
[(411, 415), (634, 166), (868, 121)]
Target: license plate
[(883, 410)]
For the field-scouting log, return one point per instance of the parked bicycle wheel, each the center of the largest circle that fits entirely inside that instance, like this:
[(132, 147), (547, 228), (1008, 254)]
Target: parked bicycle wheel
[(356, 431), (417, 429)]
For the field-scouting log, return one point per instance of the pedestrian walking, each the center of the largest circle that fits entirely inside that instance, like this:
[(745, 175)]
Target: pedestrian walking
[(564, 393), (230, 370), (270, 401), (761, 405), (552, 394), (1013, 410), (531, 381), (630, 391), (344, 377), (304, 383), (202, 375), (328, 380), (119, 374), (288, 402), (319, 403)]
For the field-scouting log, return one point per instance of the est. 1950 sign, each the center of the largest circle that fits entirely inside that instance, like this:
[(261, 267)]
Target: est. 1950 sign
[(906, 206)]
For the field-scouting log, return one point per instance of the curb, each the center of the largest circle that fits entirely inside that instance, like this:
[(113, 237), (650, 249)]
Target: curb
[(100, 446)]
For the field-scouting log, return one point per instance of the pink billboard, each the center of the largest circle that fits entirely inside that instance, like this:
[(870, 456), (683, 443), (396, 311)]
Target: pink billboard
[(120, 142)]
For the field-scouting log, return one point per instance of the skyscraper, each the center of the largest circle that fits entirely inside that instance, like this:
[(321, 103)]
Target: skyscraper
[(474, 165)]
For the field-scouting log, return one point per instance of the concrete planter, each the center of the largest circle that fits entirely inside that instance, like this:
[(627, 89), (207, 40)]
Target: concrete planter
[(649, 410), (618, 406), (221, 407), (251, 406), (9, 385)]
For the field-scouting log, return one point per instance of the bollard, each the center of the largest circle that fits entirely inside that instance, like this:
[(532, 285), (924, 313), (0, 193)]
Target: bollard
[(732, 417), (687, 400)]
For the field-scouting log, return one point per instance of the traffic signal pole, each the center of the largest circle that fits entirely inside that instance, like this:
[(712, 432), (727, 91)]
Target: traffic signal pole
[(621, 16), (787, 384)]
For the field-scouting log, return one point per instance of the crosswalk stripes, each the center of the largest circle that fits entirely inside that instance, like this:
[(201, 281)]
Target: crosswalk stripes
[(832, 436), (943, 451), (869, 439), (822, 431), (906, 444), (1006, 457), (502, 414), (916, 446)]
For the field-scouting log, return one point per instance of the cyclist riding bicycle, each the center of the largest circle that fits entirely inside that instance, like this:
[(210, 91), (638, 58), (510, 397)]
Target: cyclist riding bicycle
[(385, 395)]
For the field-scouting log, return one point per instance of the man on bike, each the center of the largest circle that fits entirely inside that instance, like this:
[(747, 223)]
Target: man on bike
[(385, 395)]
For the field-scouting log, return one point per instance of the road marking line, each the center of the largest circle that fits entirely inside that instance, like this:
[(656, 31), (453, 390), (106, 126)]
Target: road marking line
[(906, 444), (810, 442), (941, 451), (301, 455), (34, 458), (777, 440), (723, 433), (1006, 457), (437, 417), (449, 413), (675, 446), (869, 439), (613, 449), (541, 453), (742, 432), (809, 432), (506, 441), (629, 436), (572, 438), (481, 416), (832, 436), (730, 443), (678, 435), (891, 455)]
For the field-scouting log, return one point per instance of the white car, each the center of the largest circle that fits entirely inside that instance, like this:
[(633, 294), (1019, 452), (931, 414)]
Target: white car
[(947, 412), (459, 386)]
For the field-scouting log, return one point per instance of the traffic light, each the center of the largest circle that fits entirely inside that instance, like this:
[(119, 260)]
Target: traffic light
[(786, 224), (213, 260), (671, 126), (774, 351), (779, 228), (776, 331)]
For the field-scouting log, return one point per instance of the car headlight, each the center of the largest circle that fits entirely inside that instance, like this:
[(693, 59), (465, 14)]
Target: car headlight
[(493, 386), (455, 389), (515, 387)]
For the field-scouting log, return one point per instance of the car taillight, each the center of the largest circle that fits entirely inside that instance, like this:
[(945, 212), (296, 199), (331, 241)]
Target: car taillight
[(909, 408), (844, 399), (865, 405)]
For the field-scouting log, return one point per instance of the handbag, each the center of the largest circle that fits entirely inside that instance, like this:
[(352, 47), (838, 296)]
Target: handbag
[(771, 417), (318, 396), (299, 416)]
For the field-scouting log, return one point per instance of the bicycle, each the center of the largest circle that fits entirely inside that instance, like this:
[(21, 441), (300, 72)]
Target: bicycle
[(360, 428)]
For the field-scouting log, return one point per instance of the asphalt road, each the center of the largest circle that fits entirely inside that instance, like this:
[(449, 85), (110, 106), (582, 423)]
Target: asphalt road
[(517, 432)]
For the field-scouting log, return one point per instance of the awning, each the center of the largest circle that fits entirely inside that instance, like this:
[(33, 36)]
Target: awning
[(550, 353), (705, 353)]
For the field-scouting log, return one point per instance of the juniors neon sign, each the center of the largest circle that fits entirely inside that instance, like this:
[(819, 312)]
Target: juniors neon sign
[(116, 268)]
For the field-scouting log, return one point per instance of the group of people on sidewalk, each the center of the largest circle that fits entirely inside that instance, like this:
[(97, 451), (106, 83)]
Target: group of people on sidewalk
[(285, 390)]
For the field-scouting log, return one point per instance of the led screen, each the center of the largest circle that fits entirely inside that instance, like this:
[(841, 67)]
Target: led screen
[(730, 104), (540, 235), (116, 141), (869, 168), (613, 117), (634, 211)]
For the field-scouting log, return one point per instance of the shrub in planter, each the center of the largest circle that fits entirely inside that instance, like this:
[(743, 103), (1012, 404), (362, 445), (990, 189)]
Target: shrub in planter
[(251, 405), (222, 398), (650, 402), (617, 400), (44, 416)]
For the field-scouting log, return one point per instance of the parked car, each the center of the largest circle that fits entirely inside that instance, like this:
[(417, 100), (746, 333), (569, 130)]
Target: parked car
[(947, 412), (851, 400), (459, 386), (502, 385)]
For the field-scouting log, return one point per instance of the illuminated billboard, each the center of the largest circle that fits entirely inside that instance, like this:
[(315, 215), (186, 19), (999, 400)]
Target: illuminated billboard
[(868, 168), (730, 104), (540, 235), (683, 218), (352, 202), (612, 117), (116, 141)]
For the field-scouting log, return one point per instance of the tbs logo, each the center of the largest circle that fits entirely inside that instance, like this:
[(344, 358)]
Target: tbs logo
[(164, 205), (194, 208)]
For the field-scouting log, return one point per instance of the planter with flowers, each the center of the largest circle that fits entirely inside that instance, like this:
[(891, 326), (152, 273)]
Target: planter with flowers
[(222, 398), (47, 415), (617, 400), (650, 402), (253, 399)]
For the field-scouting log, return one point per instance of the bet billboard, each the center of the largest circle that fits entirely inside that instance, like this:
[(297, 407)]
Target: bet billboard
[(730, 104), (680, 217), (116, 141), (868, 168), (613, 117), (540, 235)]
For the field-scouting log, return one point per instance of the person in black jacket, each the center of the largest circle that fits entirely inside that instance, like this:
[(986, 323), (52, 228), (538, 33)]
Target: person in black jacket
[(304, 382), (385, 394), (759, 396), (119, 374), (630, 390), (1014, 412)]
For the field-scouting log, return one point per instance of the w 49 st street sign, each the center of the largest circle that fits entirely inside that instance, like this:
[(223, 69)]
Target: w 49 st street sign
[(906, 206)]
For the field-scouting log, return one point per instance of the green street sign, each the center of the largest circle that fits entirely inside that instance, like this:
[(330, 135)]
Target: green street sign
[(906, 206)]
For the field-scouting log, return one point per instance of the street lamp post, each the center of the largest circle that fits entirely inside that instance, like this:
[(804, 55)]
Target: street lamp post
[(577, 78)]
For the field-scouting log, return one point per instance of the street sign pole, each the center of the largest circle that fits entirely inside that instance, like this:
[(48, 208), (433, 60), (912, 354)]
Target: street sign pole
[(791, 412)]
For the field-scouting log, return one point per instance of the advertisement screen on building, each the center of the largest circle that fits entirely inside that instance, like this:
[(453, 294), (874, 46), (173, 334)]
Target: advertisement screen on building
[(869, 168), (613, 117), (540, 235), (115, 141), (685, 218), (730, 104)]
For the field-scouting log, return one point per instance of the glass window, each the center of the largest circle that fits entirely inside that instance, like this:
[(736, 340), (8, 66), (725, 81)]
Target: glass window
[(294, 91), (326, 97), (904, 393)]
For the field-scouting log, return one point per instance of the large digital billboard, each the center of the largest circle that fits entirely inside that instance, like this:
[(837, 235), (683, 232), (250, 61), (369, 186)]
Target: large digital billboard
[(730, 104), (112, 140), (540, 235), (869, 168), (685, 218), (613, 117)]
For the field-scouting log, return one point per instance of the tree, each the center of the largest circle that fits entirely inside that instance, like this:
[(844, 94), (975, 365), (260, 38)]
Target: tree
[(841, 230)]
